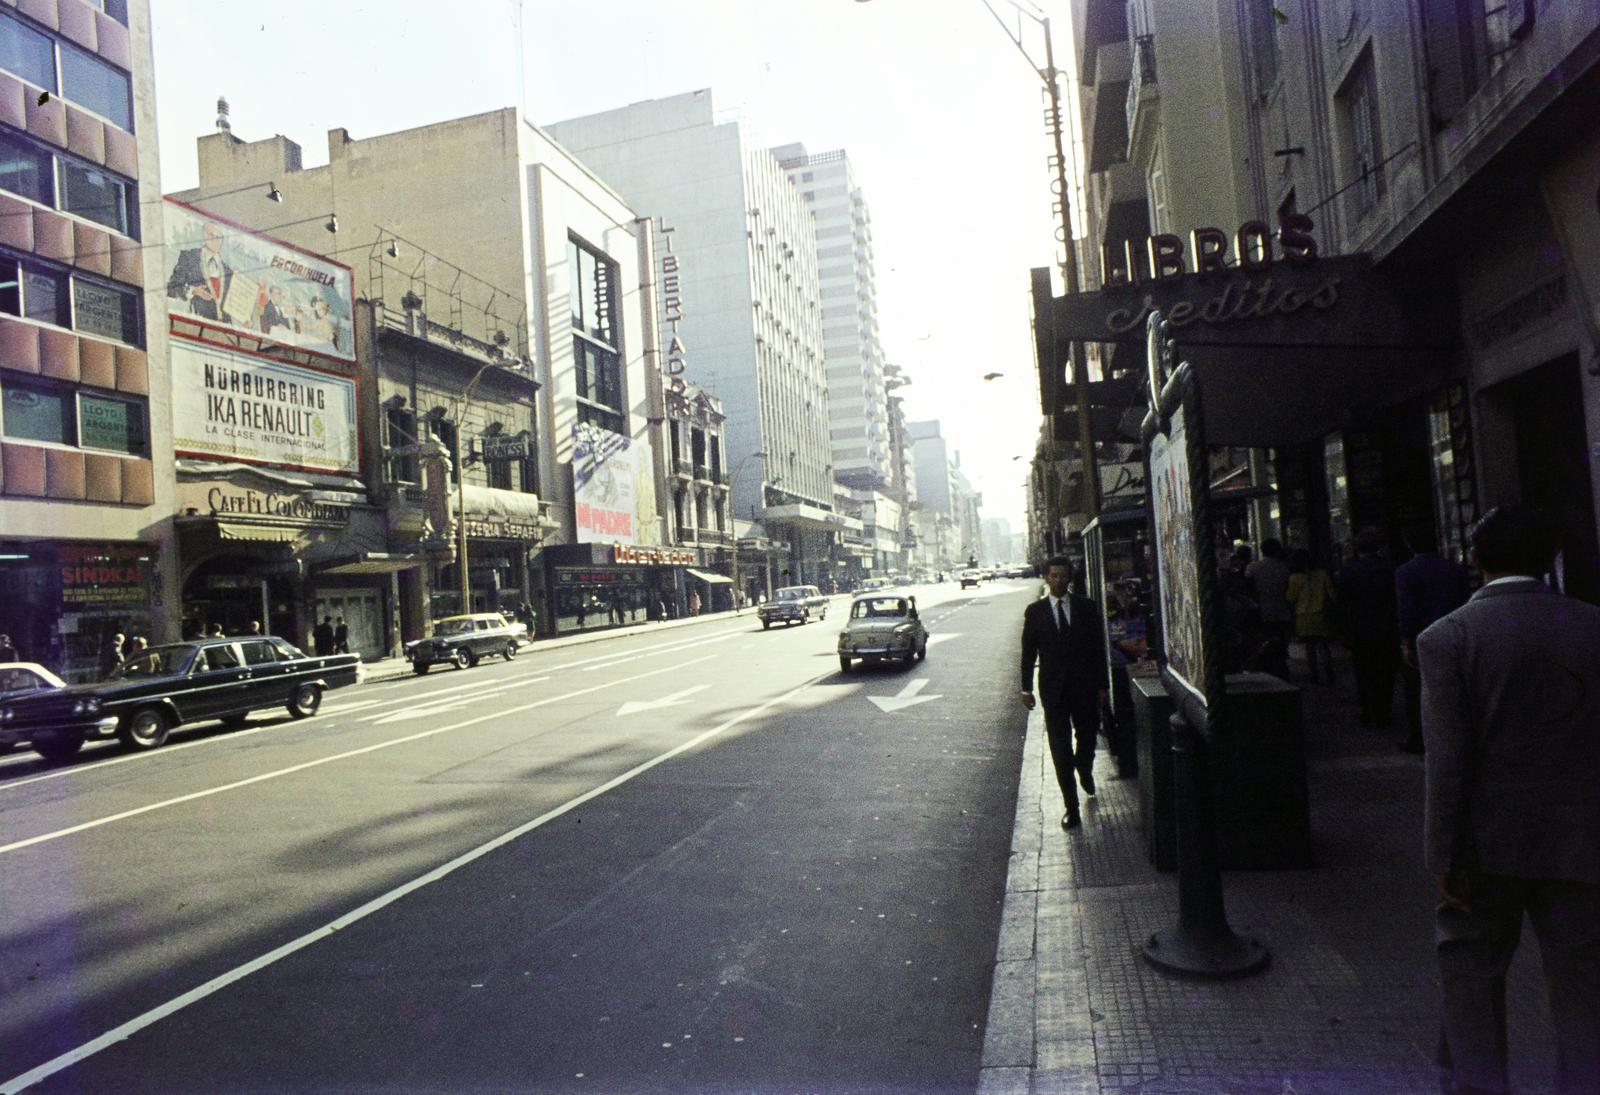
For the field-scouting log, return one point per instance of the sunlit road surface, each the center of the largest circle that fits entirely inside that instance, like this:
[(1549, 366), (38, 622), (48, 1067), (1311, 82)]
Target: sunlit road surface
[(695, 859)]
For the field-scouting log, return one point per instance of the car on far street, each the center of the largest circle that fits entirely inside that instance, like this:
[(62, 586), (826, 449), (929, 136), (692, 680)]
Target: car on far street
[(882, 627), (462, 640), (869, 585), (793, 605), (21, 678), (164, 687), (970, 578)]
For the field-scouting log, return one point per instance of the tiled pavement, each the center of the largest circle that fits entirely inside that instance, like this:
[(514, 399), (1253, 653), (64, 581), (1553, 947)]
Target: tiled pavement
[(1349, 1003)]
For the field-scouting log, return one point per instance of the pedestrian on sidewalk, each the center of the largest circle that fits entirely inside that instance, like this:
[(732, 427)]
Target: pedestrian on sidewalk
[(1241, 616), (1063, 635), (1511, 717), (1366, 591), (1427, 587), (111, 655), (1310, 593), (1269, 581)]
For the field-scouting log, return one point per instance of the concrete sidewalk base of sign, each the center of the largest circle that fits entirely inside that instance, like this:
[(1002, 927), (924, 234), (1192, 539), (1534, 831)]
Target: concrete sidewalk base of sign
[(1349, 1004)]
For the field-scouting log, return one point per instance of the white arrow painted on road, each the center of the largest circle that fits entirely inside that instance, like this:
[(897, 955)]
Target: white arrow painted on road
[(907, 698), (633, 707)]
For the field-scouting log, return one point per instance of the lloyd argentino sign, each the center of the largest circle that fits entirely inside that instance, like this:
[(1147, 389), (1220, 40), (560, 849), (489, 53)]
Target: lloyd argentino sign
[(235, 407)]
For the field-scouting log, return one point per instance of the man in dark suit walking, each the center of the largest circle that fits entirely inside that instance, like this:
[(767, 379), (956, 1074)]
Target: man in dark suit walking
[(1063, 634), (1511, 718)]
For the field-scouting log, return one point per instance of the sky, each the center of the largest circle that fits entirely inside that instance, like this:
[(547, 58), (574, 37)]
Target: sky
[(941, 116)]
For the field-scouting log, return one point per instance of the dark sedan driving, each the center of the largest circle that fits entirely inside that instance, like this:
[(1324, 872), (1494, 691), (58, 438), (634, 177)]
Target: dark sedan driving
[(173, 685)]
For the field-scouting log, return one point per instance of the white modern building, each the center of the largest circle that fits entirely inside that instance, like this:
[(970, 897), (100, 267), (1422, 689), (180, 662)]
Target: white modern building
[(857, 398), (749, 308)]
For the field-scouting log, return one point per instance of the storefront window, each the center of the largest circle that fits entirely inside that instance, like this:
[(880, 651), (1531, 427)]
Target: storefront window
[(1454, 489), (92, 193), (62, 603), (103, 88), (36, 414), (115, 425), (25, 170), (27, 53), (105, 311), (45, 297)]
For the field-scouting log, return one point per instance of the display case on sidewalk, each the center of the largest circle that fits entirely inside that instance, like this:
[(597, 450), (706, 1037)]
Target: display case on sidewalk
[(1258, 776)]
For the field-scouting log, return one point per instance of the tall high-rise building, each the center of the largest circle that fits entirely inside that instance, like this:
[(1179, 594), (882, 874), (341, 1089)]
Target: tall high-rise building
[(749, 310), (86, 498), (857, 397)]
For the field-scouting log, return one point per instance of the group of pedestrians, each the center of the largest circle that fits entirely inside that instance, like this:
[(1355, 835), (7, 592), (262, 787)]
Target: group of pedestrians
[(1379, 608), (1503, 694), (331, 636)]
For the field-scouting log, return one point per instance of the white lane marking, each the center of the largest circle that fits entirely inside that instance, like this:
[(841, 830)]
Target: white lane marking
[(447, 705), (612, 659), (908, 697), (633, 707), (233, 735), (239, 973), (942, 637), (17, 845), (340, 709)]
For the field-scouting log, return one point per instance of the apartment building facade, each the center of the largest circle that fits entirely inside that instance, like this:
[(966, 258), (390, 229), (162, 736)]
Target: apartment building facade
[(86, 496), (1438, 158)]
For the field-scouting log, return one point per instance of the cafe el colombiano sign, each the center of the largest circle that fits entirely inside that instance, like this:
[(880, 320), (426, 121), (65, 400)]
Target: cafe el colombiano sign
[(236, 407)]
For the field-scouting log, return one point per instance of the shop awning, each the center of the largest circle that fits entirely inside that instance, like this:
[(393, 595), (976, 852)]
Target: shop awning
[(707, 576), (373, 562), (262, 534)]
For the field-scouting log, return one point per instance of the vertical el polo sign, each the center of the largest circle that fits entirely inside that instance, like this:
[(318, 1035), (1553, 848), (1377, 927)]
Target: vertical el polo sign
[(603, 486), (233, 407)]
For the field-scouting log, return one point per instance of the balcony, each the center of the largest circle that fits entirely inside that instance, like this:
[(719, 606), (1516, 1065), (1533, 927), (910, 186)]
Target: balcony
[(1107, 130), (683, 468), (702, 474), (1142, 82)]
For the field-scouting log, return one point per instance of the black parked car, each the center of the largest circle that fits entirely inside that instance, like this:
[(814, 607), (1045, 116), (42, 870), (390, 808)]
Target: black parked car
[(462, 640), (168, 686)]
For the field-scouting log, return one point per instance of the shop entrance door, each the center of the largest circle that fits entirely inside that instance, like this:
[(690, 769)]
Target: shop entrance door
[(1553, 466), (362, 610)]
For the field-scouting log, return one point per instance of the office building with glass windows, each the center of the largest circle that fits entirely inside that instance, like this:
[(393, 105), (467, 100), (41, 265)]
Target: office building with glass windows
[(85, 451), (749, 309)]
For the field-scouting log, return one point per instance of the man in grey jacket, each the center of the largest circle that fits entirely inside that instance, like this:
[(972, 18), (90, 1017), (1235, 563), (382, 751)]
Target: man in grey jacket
[(1511, 718)]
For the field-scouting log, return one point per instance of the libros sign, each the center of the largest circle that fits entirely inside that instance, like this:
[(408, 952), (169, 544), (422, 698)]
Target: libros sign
[(1257, 286)]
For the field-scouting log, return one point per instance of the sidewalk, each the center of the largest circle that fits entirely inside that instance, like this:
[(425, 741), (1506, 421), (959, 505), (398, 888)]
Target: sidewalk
[(388, 669), (1348, 1005)]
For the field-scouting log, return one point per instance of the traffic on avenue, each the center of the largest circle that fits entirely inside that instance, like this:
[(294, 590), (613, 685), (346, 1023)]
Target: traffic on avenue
[(695, 855)]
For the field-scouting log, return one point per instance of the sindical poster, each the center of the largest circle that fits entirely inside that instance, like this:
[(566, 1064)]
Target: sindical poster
[(1178, 556), (229, 406), (232, 278), (603, 489)]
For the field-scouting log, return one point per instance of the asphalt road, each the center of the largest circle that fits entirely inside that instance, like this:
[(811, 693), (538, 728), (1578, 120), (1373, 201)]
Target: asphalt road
[(700, 859)]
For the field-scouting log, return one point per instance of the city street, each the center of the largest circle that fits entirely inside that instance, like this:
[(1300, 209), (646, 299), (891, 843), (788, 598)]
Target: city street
[(694, 858)]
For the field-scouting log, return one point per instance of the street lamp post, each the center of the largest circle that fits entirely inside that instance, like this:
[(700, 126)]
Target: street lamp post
[(1069, 267), (459, 413), (733, 523)]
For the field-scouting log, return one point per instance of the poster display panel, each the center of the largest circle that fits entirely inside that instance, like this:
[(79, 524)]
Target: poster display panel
[(603, 488), (235, 279), (232, 406), (1178, 551)]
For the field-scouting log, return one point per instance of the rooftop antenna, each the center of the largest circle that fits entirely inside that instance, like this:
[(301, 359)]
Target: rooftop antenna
[(223, 125)]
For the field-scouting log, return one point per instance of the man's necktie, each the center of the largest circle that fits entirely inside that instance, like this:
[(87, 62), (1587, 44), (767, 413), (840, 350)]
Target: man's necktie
[(1061, 616)]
